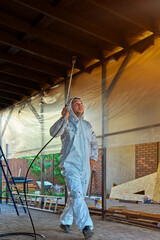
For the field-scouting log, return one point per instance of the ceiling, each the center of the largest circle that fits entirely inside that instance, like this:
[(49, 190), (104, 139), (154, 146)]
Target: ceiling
[(38, 39)]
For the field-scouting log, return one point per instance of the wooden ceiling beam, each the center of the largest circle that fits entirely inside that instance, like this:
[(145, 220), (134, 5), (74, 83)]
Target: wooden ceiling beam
[(12, 89), (104, 5), (11, 96), (44, 22), (6, 101), (48, 36), (23, 73), (63, 4), (73, 21), (35, 49), (31, 64), (20, 82)]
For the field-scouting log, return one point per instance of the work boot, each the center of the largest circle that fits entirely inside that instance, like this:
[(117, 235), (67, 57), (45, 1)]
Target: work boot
[(66, 228), (87, 232)]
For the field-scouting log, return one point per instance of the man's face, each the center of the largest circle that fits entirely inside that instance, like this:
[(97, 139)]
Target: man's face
[(78, 107)]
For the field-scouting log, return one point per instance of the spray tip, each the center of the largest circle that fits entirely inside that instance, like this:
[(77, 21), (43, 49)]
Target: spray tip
[(74, 58)]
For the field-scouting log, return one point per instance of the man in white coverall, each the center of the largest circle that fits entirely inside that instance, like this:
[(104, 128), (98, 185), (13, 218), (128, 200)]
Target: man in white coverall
[(79, 151)]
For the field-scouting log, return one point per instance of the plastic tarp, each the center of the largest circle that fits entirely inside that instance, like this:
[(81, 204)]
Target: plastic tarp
[(133, 103), (135, 99)]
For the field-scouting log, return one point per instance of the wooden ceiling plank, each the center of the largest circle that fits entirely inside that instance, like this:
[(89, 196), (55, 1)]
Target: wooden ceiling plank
[(34, 49), (10, 69), (103, 4), (4, 105), (63, 4), (44, 22), (13, 50), (6, 101), (47, 36), (73, 21), (11, 96), (31, 64), (20, 82), (13, 89)]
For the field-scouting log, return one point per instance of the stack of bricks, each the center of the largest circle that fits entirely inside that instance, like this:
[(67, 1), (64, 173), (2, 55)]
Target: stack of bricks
[(146, 159)]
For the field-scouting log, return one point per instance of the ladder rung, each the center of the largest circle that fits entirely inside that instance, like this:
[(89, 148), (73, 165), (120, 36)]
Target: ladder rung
[(4, 165)]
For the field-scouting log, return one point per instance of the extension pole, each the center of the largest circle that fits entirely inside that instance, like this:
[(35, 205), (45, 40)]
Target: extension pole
[(70, 80)]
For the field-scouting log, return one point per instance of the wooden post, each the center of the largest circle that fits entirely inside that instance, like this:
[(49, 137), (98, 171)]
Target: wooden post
[(42, 144), (53, 169), (104, 143), (0, 158), (7, 174)]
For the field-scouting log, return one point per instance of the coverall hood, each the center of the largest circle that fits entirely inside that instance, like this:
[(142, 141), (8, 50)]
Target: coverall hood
[(72, 115)]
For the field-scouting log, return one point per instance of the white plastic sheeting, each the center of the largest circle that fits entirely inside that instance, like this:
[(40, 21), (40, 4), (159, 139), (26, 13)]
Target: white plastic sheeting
[(133, 103), (26, 126), (135, 100)]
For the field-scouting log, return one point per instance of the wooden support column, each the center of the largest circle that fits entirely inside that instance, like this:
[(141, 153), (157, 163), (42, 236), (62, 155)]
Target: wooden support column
[(53, 169), (104, 143), (105, 95), (40, 118), (42, 144), (7, 174), (0, 159)]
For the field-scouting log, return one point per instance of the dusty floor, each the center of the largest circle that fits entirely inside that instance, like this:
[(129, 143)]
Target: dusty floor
[(48, 225)]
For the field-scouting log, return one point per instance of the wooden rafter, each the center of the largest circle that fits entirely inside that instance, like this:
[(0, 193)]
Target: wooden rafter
[(35, 49), (47, 36), (73, 21), (6, 101), (11, 96), (31, 64), (12, 89), (16, 81), (23, 73), (103, 4)]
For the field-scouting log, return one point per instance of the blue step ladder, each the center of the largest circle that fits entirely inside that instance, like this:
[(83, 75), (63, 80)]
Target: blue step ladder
[(13, 185)]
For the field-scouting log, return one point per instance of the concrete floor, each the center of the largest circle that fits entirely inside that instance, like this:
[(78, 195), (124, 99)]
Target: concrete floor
[(48, 225)]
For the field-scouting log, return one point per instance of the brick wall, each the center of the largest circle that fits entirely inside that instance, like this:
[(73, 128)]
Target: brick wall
[(96, 187), (146, 158)]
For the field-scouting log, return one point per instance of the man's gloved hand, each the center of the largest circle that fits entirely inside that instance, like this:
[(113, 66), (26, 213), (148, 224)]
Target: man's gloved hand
[(65, 112)]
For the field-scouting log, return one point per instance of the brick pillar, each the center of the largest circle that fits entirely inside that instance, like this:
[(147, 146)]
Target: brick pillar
[(146, 158), (97, 176)]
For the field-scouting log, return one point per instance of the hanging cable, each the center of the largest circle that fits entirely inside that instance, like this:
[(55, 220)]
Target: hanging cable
[(34, 234)]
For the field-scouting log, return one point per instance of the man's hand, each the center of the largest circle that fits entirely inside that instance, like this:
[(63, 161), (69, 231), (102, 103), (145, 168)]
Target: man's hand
[(92, 162), (65, 112)]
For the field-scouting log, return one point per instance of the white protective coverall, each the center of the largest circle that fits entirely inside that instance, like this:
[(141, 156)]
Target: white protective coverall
[(79, 145)]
